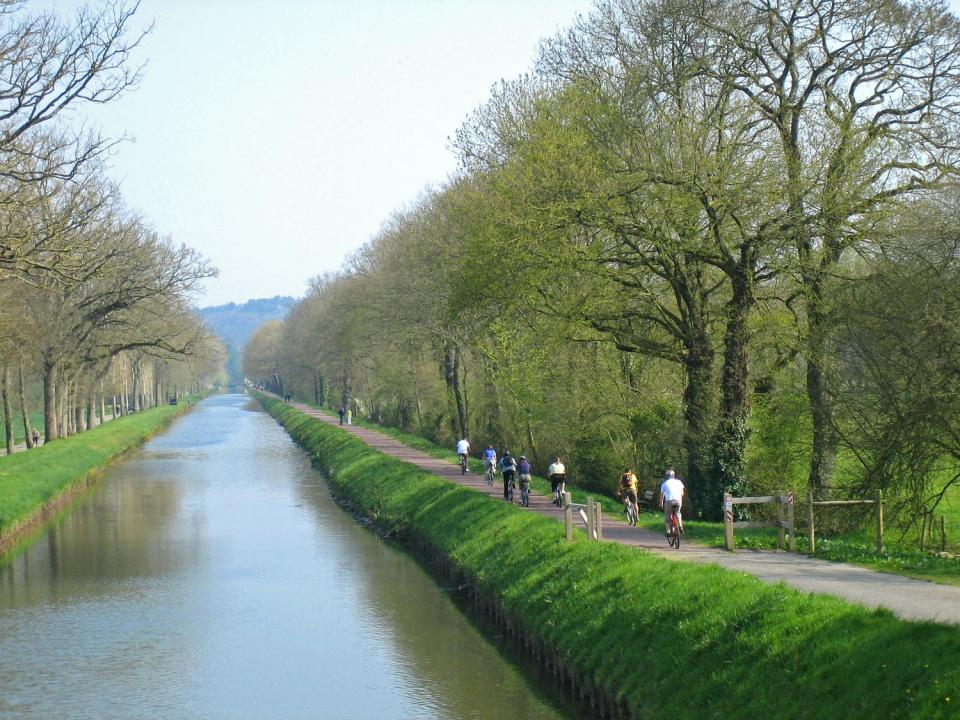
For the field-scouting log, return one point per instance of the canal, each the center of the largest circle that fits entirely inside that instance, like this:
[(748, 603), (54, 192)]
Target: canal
[(211, 575)]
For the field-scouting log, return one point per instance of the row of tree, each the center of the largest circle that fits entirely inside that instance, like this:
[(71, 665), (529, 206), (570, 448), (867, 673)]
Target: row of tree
[(95, 304), (715, 234)]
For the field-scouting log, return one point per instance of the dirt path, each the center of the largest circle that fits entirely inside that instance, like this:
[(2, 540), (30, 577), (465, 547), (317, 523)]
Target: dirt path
[(908, 598)]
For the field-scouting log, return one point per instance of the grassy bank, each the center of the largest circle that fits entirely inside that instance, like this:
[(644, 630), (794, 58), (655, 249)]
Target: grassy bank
[(665, 638), (29, 480)]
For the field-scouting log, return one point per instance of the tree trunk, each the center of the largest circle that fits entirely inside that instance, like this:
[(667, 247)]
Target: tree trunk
[(698, 416), (346, 391), (7, 411), (50, 430), (824, 450), (452, 363), (733, 432), (27, 429)]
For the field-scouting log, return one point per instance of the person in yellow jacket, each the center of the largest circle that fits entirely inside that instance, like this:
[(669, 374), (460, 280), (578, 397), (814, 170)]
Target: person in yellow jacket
[(628, 489)]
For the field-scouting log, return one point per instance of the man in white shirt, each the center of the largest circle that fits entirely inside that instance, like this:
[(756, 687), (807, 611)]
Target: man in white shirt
[(463, 449), (557, 475), (671, 495)]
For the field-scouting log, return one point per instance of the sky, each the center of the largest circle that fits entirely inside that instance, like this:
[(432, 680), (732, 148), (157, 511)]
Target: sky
[(276, 137)]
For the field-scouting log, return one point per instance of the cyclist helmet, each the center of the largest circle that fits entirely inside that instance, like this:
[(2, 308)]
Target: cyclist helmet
[(523, 457), (670, 473)]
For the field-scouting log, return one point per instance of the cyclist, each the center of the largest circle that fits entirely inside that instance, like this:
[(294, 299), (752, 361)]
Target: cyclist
[(627, 490), (524, 471), (489, 462), (557, 475), (463, 450), (671, 496), (508, 466)]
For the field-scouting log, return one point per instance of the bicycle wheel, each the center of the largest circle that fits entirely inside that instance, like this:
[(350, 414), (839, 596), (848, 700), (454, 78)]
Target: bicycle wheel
[(674, 533)]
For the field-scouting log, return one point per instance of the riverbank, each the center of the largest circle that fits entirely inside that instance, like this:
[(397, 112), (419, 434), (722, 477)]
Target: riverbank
[(35, 485), (641, 633)]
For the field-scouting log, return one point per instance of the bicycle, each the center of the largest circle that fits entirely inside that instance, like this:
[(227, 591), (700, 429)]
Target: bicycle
[(631, 511), (511, 485), (490, 473), (463, 464), (558, 488), (525, 491), (673, 537)]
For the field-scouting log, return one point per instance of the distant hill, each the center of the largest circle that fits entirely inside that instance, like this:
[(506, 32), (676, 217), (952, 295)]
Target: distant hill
[(236, 323)]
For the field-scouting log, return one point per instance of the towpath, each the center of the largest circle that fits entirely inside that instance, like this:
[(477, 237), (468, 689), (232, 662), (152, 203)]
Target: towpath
[(908, 598)]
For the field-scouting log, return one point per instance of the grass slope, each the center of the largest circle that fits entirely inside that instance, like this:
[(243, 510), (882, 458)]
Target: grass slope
[(29, 479), (671, 639)]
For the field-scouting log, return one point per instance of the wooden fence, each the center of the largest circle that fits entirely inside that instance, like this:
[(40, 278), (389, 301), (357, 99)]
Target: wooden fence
[(591, 514), (877, 502), (783, 521)]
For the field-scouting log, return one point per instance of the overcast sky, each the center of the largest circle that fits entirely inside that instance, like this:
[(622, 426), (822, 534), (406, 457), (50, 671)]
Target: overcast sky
[(276, 137)]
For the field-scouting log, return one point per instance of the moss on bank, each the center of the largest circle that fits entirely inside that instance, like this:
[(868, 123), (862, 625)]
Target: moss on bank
[(31, 479), (662, 638)]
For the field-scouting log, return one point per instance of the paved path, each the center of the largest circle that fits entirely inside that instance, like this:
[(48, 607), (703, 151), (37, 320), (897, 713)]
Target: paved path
[(906, 597)]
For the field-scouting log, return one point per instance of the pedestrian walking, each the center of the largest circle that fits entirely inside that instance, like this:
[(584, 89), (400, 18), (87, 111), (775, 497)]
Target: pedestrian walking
[(340, 412), (349, 416), (36, 437)]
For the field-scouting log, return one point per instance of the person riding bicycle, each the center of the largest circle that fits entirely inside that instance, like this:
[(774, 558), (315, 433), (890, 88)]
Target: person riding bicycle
[(490, 460), (557, 475), (523, 472), (463, 450), (671, 496), (628, 489), (508, 467)]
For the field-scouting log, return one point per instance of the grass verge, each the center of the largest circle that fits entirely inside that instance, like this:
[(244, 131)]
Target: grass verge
[(667, 639), (29, 480)]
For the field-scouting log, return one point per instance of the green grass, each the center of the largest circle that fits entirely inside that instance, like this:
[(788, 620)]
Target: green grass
[(671, 639), (29, 479)]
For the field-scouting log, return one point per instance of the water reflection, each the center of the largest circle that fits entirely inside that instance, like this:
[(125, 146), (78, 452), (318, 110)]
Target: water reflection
[(211, 576)]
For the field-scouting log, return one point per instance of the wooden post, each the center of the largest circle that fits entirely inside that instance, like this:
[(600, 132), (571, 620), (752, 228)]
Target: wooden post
[(879, 509), (590, 518), (781, 516), (568, 519), (567, 499), (598, 522), (793, 528), (728, 520), (811, 533), (923, 527)]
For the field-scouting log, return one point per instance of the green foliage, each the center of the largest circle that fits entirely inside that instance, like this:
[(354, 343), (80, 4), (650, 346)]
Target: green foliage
[(658, 438), (670, 639), (596, 461)]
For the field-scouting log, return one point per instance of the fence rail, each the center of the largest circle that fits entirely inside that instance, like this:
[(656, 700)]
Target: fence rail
[(591, 513), (783, 521), (877, 501)]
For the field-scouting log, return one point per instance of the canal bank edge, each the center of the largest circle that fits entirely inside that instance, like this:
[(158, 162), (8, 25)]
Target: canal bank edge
[(639, 634), (37, 484)]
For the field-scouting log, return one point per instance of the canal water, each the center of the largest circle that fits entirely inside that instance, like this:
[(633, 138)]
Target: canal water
[(211, 575)]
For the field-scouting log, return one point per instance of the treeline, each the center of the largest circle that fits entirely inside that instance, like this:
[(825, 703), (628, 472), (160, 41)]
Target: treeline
[(95, 303), (718, 235)]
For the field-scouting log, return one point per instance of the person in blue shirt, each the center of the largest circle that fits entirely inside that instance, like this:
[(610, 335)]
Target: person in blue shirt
[(508, 466), (489, 463)]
